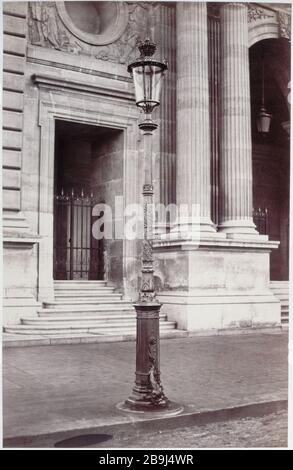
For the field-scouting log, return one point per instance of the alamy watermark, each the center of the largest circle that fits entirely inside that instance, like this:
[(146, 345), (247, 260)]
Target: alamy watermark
[(127, 222)]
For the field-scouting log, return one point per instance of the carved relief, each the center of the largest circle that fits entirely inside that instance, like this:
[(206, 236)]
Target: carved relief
[(256, 13), (47, 29), (157, 394), (284, 25), (125, 49), (147, 252)]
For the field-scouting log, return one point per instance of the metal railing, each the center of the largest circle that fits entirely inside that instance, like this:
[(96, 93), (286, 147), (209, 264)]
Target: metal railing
[(261, 220), (77, 254)]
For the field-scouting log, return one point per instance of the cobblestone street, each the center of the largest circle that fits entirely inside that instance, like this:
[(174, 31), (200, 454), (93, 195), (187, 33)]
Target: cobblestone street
[(267, 431)]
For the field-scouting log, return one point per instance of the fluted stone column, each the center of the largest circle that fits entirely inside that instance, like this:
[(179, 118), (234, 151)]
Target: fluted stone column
[(193, 125), (235, 125), (164, 143)]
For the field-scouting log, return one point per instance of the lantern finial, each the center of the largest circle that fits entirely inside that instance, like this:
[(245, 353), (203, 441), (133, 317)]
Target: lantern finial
[(147, 48)]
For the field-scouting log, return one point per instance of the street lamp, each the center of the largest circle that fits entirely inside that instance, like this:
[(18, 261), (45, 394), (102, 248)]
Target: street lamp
[(147, 392)]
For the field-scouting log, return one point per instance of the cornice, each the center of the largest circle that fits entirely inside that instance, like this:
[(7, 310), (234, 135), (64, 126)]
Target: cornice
[(53, 81)]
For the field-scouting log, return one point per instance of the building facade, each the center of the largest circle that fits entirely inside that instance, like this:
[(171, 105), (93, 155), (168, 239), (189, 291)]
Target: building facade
[(71, 140)]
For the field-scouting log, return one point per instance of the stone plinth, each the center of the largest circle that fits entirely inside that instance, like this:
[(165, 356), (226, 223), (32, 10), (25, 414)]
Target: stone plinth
[(19, 278), (216, 285)]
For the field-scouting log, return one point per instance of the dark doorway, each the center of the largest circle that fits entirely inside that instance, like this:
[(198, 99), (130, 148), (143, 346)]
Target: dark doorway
[(269, 79), (84, 177)]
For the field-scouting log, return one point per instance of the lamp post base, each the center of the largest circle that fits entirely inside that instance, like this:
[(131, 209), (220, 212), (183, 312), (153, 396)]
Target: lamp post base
[(149, 399), (147, 393), (170, 409)]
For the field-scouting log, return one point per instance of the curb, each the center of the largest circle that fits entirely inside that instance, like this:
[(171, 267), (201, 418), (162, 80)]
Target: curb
[(39, 340), (135, 426)]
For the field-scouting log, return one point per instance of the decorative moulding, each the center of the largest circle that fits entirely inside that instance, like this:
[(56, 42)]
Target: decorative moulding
[(51, 81), (20, 242)]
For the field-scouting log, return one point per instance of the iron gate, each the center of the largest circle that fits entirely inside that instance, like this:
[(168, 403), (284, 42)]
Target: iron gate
[(261, 220), (77, 254)]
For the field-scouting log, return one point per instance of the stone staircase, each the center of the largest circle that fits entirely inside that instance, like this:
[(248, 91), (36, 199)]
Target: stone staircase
[(281, 290), (84, 311)]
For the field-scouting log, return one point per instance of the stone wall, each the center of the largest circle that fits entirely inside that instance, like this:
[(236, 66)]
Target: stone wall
[(107, 183), (20, 250), (14, 47)]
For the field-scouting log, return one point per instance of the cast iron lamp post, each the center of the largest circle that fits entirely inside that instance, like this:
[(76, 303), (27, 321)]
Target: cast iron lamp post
[(147, 392)]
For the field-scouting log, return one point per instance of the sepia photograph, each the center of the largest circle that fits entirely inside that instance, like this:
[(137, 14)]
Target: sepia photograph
[(146, 228)]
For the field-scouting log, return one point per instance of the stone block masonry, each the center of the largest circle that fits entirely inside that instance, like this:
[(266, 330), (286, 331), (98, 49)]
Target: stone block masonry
[(14, 45)]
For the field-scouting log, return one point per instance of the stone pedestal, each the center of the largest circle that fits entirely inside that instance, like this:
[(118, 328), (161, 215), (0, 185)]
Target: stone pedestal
[(217, 285), (19, 268)]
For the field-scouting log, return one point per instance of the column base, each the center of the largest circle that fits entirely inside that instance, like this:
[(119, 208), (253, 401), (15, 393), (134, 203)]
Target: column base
[(238, 227), (161, 229), (192, 229)]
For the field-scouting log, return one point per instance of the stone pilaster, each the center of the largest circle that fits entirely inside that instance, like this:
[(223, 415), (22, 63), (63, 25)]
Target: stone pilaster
[(193, 125), (235, 125)]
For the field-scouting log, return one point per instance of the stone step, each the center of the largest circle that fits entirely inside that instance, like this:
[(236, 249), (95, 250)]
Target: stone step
[(83, 285), (87, 291), (280, 287), (82, 323), (93, 317), (280, 292), (84, 294), (279, 283), (85, 313), (71, 303), (102, 329), (283, 298), (101, 308)]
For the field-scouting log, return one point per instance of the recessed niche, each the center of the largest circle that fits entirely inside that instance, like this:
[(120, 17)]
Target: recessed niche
[(96, 23)]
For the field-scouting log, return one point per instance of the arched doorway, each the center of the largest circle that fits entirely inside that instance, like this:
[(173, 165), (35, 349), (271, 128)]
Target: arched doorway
[(269, 77)]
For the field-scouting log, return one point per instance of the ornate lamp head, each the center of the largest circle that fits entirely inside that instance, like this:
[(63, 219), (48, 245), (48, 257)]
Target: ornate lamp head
[(147, 76)]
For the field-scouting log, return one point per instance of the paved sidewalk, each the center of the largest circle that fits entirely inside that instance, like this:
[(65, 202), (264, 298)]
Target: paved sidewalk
[(71, 387)]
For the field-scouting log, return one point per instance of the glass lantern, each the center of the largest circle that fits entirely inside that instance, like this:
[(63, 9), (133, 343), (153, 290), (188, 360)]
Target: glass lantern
[(263, 121), (147, 76)]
